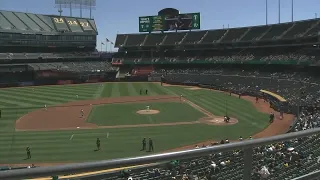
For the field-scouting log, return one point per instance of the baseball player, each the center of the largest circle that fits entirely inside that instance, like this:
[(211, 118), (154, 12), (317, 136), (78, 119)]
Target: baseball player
[(271, 117), (77, 96), (98, 144), (144, 144), (45, 107), (150, 145), (148, 108), (28, 153), (181, 98), (81, 113)]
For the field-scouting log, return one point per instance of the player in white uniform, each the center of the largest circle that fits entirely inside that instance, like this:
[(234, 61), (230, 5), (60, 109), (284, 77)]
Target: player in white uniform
[(148, 108), (82, 113), (45, 107)]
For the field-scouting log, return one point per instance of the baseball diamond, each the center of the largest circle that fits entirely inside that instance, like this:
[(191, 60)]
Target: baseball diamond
[(110, 114)]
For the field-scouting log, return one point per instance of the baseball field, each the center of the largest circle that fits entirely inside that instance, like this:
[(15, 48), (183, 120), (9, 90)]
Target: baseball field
[(49, 120)]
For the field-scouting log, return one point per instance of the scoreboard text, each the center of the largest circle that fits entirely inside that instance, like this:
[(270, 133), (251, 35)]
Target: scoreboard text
[(169, 23)]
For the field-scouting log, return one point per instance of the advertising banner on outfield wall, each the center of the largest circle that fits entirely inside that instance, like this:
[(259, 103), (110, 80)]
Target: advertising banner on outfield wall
[(62, 82), (92, 80), (28, 83)]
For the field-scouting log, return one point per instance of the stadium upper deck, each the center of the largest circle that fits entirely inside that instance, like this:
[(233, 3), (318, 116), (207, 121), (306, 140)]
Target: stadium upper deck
[(19, 22), (306, 29), (35, 30)]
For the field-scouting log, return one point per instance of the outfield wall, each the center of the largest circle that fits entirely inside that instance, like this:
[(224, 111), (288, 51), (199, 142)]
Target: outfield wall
[(38, 78)]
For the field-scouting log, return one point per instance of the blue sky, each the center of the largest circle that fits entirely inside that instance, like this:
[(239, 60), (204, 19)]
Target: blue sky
[(121, 16)]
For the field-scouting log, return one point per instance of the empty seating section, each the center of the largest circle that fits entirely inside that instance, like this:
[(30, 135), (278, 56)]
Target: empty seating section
[(42, 25), (120, 40), (276, 30), (299, 28), (154, 39), (173, 38), (193, 37), (93, 24), (4, 23), (47, 20), (16, 22), (254, 33), (213, 36), (135, 39), (30, 23), (283, 30), (234, 34), (73, 26), (314, 31), (86, 22)]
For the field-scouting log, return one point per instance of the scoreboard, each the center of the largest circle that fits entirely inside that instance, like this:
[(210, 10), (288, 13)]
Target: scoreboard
[(169, 23)]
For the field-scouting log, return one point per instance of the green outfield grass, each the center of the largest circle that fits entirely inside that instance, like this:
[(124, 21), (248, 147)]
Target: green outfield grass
[(108, 115), (57, 146)]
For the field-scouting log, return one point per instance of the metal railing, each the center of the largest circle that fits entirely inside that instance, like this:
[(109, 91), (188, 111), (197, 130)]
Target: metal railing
[(246, 146)]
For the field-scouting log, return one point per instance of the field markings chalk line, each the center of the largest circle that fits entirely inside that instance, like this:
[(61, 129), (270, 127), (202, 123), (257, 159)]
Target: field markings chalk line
[(71, 137)]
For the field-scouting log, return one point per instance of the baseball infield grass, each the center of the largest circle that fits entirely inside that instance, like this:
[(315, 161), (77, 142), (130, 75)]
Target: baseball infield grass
[(108, 115), (78, 145)]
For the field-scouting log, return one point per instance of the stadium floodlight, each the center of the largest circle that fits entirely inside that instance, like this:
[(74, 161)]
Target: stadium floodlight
[(75, 4)]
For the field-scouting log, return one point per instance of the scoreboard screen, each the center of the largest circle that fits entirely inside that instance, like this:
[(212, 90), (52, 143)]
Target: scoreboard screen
[(169, 23)]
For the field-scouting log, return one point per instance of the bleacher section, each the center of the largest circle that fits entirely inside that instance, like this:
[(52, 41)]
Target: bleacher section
[(92, 66), (297, 29), (154, 39), (173, 38), (300, 28), (254, 33), (193, 38), (135, 40), (234, 34)]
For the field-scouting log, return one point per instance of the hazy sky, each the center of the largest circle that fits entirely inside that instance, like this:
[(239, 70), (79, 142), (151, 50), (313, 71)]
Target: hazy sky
[(121, 16)]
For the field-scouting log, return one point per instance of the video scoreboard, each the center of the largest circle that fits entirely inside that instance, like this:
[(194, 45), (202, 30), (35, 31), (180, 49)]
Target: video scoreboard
[(169, 23)]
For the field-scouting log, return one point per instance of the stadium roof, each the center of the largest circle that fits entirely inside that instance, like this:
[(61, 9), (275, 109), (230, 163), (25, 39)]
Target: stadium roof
[(19, 22)]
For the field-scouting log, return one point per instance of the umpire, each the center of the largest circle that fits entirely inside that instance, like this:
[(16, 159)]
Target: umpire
[(144, 144), (150, 145)]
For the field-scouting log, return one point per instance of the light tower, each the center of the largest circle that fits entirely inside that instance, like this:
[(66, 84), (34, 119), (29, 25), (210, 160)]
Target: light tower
[(76, 4)]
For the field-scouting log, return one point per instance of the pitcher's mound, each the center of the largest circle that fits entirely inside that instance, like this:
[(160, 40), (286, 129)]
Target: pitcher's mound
[(151, 111), (218, 121)]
